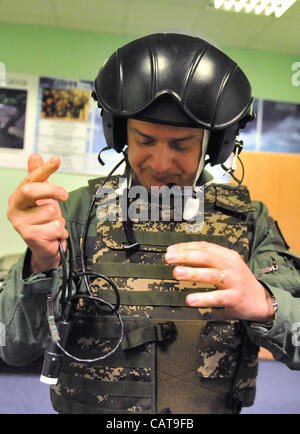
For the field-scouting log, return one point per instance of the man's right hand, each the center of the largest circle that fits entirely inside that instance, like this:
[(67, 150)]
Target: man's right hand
[(35, 213)]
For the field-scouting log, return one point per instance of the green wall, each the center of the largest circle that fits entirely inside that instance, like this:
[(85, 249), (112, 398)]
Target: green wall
[(78, 55)]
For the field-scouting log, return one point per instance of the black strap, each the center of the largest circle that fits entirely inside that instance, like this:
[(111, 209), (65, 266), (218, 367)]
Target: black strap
[(151, 333)]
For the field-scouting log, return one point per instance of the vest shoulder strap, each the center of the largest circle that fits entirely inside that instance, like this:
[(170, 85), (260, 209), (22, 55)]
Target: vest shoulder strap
[(233, 198)]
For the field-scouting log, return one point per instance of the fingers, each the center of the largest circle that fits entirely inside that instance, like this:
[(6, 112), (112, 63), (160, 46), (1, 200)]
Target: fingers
[(220, 298), (46, 233), (37, 215), (205, 263), (237, 288), (34, 187), (34, 161), (200, 262), (43, 243), (201, 254), (40, 171), (45, 251), (210, 276), (26, 196)]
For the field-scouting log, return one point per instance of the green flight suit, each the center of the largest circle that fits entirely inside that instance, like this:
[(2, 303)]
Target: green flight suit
[(23, 298)]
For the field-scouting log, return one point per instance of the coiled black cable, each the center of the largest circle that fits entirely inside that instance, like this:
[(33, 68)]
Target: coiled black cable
[(67, 297)]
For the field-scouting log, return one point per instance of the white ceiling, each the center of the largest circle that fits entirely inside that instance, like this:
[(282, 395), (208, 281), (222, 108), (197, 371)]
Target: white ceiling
[(139, 17)]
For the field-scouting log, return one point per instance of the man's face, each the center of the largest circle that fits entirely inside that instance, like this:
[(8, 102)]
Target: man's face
[(161, 154)]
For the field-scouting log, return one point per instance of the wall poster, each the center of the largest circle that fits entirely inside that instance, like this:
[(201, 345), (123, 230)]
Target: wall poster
[(17, 118)]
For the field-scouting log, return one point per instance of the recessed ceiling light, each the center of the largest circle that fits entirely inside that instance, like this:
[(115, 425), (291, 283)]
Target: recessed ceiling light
[(257, 7)]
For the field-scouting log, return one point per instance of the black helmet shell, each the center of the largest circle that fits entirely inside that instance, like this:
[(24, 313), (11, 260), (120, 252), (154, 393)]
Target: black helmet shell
[(208, 86)]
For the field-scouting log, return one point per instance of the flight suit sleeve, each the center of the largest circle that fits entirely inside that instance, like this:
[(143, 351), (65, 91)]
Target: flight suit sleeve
[(23, 319), (24, 329), (278, 270)]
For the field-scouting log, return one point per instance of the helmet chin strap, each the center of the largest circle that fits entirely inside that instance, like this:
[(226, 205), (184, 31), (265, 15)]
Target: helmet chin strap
[(192, 203), (205, 139), (228, 170)]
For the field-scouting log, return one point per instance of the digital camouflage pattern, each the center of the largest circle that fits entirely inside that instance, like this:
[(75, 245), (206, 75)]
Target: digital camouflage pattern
[(201, 362)]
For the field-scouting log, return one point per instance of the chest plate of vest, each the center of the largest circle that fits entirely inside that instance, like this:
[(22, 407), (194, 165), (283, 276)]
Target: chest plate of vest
[(169, 349)]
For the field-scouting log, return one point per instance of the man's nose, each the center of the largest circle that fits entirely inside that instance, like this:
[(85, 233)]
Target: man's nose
[(161, 161)]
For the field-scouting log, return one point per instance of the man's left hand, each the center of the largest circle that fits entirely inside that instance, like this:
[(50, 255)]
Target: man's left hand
[(237, 289)]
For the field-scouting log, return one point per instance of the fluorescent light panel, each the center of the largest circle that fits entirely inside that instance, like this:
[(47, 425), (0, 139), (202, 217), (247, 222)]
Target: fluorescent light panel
[(258, 7)]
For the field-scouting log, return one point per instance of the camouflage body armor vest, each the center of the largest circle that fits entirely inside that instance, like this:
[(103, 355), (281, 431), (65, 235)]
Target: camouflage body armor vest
[(174, 358)]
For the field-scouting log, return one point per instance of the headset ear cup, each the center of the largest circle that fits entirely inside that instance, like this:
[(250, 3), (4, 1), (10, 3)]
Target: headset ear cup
[(115, 130), (221, 144), (107, 122)]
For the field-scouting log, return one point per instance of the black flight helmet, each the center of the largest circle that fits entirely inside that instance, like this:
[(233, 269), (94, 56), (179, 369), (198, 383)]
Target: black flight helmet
[(178, 80)]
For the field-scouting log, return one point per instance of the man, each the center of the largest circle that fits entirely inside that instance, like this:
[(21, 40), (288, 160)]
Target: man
[(174, 100)]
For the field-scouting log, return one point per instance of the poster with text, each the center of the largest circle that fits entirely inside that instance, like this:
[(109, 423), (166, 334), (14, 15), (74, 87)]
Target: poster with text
[(69, 125), (62, 122)]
